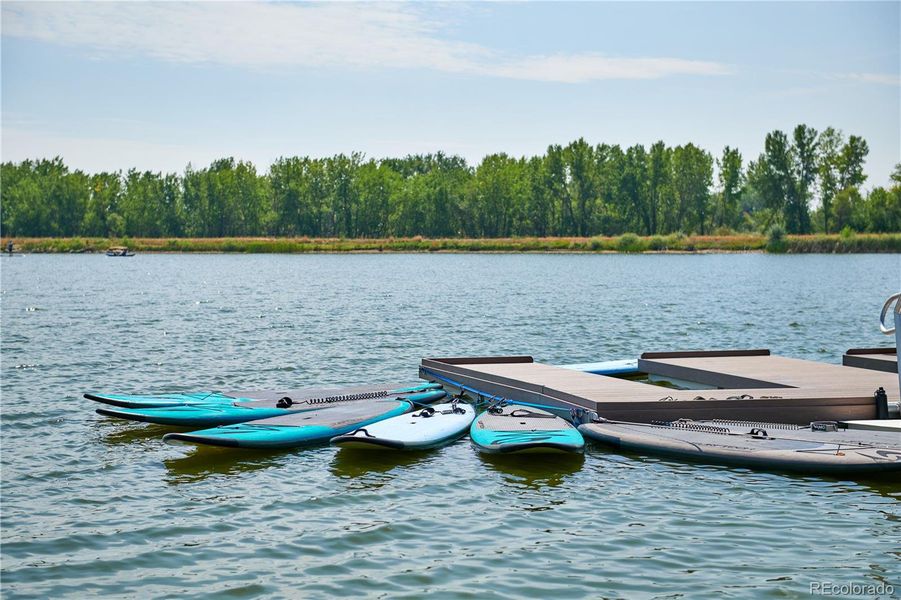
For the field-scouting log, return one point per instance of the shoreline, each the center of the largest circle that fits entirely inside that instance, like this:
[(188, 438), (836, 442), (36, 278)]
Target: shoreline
[(624, 244)]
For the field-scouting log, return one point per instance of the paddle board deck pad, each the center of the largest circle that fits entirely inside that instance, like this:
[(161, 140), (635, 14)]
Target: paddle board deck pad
[(213, 415), (303, 394), (516, 428), (423, 429), (818, 448), (298, 428)]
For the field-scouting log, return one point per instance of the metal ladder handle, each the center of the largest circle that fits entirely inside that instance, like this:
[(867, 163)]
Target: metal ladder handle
[(885, 310)]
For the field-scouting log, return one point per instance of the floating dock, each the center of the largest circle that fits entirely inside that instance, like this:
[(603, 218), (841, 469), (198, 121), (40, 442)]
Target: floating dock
[(748, 385)]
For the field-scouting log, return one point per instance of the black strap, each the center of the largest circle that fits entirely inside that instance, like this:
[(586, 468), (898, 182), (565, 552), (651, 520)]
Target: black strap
[(524, 412)]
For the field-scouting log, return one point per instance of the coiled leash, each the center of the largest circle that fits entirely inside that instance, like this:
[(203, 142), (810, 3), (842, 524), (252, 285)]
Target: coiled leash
[(287, 402)]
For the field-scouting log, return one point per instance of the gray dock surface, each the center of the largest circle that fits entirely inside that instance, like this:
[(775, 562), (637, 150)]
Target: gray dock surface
[(750, 385)]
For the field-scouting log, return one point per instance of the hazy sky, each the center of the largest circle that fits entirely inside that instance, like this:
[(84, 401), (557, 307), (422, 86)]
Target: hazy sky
[(155, 85)]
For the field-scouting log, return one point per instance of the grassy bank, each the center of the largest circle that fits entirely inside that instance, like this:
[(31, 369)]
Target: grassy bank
[(858, 243)]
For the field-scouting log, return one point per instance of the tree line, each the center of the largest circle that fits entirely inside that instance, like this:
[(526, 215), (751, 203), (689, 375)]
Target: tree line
[(803, 182)]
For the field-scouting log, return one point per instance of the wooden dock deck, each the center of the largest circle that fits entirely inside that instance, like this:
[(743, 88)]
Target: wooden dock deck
[(750, 385)]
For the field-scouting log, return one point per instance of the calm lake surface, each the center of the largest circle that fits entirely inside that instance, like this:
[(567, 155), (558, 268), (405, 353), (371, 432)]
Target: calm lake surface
[(93, 506)]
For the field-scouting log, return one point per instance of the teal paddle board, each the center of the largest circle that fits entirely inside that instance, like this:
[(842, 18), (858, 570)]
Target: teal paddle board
[(212, 415), (300, 428), (188, 398), (515, 428)]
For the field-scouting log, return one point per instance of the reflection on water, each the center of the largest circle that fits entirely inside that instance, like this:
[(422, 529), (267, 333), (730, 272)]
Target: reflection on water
[(204, 462), (353, 463), (535, 471), (115, 431)]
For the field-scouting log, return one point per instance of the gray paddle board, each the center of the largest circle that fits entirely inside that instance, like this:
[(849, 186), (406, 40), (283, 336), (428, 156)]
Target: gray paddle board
[(819, 448)]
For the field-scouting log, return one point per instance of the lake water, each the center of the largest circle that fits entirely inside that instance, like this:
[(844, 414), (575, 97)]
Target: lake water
[(93, 506)]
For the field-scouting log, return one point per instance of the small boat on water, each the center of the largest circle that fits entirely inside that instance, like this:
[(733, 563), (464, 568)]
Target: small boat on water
[(119, 251)]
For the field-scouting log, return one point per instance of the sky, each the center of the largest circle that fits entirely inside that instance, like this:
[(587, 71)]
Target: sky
[(156, 85)]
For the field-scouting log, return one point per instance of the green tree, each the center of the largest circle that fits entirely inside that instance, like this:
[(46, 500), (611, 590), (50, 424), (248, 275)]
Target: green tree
[(830, 144), (615, 207), (538, 215), (580, 194), (496, 193), (880, 212), (25, 208), (804, 158), (784, 175), (845, 206), (633, 189), (105, 195), (692, 177), (660, 176), (731, 180), (378, 185), (851, 161)]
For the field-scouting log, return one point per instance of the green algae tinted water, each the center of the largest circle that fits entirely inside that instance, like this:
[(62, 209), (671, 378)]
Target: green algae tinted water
[(97, 507)]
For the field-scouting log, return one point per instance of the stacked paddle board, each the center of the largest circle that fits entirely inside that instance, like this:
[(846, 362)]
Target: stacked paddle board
[(209, 410)]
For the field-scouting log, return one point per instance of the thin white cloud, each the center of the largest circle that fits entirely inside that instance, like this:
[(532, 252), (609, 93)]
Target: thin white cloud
[(880, 78), (259, 35), (589, 67)]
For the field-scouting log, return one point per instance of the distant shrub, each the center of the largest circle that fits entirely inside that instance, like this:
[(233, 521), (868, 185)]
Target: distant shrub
[(597, 243), (776, 239), (657, 243), (629, 242)]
